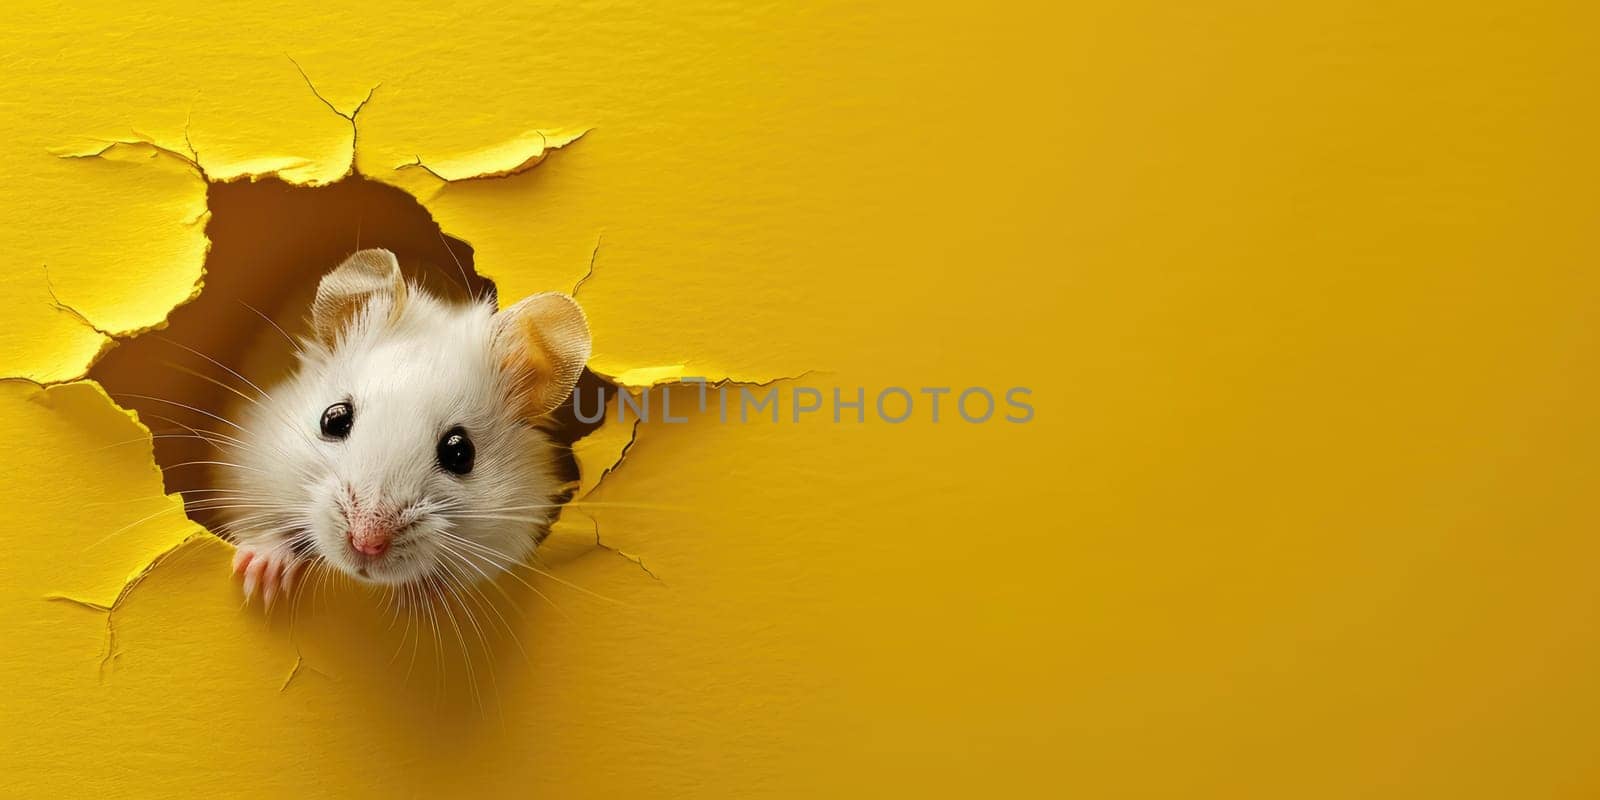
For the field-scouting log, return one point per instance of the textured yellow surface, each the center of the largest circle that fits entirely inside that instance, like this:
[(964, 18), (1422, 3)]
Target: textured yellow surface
[(1305, 293)]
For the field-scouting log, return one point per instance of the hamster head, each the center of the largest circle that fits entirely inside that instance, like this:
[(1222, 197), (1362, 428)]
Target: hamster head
[(404, 446)]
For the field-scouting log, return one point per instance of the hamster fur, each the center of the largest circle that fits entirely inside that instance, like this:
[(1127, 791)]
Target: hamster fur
[(427, 387)]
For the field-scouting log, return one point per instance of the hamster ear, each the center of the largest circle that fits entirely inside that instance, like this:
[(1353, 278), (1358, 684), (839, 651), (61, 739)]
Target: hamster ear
[(543, 344), (366, 275)]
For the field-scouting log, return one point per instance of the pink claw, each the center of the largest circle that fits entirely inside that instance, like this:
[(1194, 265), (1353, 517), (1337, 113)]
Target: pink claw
[(272, 571)]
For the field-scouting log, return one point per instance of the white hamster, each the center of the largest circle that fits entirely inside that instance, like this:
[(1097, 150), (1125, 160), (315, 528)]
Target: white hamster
[(403, 448)]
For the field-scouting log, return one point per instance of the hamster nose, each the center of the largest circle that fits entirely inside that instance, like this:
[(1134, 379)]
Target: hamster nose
[(370, 537), (370, 546)]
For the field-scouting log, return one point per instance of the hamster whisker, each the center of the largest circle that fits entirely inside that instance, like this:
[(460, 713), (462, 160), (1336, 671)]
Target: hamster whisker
[(458, 587), (217, 494), (515, 608), (535, 589), (473, 511), (483, 548), (466, 286), (399, 593), (254, 521), (185, 406), (646, 506), (496, 516), (286, 337), (505, 565), (394, 610), (448, 550), (208, 495), (586, 504), (273, 519), (571, 585), (264, 395), (223, 495), (323, 580), (517, 508), (239, 496), (438, 635), (416, 643), (492, 582), (219, 364), (208, 379), (398, 604), (215, 463), (475, 595), (228, 443), (253, 401), (145, 499), (477, 546), (388, 599), (236, 505), (247, 398), (268, 511), (221, 502), (130, 526), (461, 639), (153, 437), (222, 437), (489, 554), (305, 567), (268, 514)]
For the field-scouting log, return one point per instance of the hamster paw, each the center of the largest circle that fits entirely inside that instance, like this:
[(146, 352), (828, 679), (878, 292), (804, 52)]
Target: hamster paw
[(273, 571)]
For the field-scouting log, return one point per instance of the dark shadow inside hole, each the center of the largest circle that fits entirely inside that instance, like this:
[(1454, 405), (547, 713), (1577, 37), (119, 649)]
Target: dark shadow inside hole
[(271, 242)]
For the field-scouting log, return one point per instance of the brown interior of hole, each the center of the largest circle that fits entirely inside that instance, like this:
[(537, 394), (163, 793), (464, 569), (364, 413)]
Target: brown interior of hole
[(271, 242)]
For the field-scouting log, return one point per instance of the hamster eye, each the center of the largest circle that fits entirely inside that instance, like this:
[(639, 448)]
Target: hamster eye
[(456, 451), (337, 419)]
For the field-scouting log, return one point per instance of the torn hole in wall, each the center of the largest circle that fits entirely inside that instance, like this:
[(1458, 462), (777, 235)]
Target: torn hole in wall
[(271, 242)]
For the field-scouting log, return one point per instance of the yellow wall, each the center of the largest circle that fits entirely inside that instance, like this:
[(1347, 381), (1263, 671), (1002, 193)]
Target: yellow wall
[(1306, 295)]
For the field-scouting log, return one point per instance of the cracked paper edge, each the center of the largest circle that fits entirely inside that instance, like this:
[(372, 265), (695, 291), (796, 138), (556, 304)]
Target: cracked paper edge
[(110, 652), (503, 160)]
